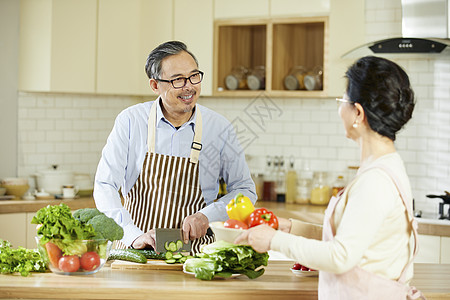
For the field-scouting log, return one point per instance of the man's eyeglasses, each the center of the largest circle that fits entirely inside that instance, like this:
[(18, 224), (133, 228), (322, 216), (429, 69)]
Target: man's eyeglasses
[(180, 82)]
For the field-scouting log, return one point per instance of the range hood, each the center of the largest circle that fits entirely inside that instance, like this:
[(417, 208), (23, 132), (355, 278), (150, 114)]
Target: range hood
[(425, 31)]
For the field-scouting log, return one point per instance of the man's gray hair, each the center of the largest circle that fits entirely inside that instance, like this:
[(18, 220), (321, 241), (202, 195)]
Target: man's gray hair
[(153, 65)]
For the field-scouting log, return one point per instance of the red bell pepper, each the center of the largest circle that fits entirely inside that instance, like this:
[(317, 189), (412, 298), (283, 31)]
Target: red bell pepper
[(262, 216)]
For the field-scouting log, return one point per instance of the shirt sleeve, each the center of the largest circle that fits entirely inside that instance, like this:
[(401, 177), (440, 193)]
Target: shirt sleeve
[(234, 170), (110, 175), (366, 207)]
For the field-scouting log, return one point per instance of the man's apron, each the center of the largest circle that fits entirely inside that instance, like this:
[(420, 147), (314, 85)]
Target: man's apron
[(358, 283), (168, 189)]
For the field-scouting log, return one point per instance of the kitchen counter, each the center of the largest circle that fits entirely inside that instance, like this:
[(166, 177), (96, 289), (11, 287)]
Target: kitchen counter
[(20, 206), (304, 212), (278, 282)]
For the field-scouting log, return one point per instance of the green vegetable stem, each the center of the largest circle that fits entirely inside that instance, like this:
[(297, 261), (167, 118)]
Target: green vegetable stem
[(224, 259)]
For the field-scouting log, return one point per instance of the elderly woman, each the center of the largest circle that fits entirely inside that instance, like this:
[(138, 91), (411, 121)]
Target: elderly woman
[(369, 235)]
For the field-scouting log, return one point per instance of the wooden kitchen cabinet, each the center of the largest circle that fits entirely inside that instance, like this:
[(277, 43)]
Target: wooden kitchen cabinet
[(127, 32), (197, 34), (13, 229), (58, 45), (224, 9), (347, 31), (277, 44), (445, 250)]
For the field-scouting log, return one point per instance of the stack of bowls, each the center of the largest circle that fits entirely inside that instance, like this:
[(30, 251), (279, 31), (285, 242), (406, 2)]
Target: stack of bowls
[(15, 186)]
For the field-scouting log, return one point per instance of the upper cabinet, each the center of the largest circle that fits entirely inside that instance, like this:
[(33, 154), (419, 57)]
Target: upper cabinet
[(284, 57), (101, 46), (58, 45), (127, 32), (193, 24), (347, 31)]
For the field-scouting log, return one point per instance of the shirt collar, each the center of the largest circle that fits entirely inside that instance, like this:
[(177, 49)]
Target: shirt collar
[(160, 116)]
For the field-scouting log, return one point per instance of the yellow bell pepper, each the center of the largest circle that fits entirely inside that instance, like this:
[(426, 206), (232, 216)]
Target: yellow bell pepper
[(240, 208)]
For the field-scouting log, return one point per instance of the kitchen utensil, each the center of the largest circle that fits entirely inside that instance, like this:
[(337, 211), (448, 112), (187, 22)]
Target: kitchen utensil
[(69, 191), (151, 264), (167, 235), (16, 187), (52, 180)]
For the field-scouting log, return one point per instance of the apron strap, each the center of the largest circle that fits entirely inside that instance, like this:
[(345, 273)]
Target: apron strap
[(196, 145), (411, 219)]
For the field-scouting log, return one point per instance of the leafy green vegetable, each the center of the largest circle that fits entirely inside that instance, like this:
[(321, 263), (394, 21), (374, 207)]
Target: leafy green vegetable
[(224, 259), (57, 222), (85, 214), (20, 260), (106, 228)]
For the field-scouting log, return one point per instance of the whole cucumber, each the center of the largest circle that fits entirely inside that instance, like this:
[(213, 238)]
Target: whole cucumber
[(128, 255)]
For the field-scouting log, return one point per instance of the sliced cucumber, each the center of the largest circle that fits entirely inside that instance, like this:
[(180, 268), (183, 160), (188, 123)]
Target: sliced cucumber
[(171, 261), (172, 247), (166, 245), (179, 244), (168, 255), (177, 256), (182, 259)]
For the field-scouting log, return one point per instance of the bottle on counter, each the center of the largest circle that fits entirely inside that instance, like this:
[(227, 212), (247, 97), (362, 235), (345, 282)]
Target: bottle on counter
[(269, 181), (320, 192), (280, 185), (304, 184), (291, 182), (258, 179), (338, 185)]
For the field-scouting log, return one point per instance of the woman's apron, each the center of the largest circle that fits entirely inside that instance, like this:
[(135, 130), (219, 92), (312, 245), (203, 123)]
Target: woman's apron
[(168, 188), (360, 284)]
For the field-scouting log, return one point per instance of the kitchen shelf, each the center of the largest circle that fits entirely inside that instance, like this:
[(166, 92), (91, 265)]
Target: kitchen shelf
[(277, 44)]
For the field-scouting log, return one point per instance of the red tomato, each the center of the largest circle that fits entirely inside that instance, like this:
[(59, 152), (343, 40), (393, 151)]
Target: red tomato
[(297, 266), (230, 223), (54, 253), (90, 261), (69, 263)]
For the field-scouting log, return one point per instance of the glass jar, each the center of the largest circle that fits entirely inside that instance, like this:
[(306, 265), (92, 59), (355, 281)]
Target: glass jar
[(313, 80), (256, 80), (237, 79), (320, 192), (295, 79), (338, 185), (303, 191)]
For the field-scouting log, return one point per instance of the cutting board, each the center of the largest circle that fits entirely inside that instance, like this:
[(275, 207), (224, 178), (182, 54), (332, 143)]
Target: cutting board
[(151, 264)]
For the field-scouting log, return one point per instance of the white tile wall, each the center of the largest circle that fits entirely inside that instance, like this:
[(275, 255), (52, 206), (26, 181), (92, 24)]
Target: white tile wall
[(70, 130)]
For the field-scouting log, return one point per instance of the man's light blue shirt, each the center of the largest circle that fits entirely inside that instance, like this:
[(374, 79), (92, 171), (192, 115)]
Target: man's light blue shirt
[(124, 153)]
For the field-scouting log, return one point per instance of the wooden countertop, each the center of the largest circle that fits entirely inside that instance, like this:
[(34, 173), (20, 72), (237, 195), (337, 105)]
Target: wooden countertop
[(21, 206), (304, 212), (278, 282)]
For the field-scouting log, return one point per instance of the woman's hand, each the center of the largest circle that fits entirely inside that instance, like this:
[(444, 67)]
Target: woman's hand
[(284, 224), (259, 237)]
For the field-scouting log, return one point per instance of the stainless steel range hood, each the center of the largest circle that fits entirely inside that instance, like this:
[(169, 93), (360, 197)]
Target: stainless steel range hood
[(425, 31)]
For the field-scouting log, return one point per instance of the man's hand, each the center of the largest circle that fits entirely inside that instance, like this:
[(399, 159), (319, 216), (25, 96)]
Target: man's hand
[(147, 239), (194, 226)]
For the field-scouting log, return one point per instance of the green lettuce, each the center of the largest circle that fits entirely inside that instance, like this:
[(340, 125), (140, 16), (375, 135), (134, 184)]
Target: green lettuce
[(224, 259), (57, 222), (20, 260)]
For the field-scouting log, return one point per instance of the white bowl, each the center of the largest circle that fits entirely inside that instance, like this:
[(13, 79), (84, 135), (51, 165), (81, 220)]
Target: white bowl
[(225, 234)]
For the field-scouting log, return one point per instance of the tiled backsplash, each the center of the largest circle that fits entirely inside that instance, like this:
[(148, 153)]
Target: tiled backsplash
[(70, 130)]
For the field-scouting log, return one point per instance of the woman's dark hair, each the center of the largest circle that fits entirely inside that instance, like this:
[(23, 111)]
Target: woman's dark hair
[(384, 91), (153, 65)]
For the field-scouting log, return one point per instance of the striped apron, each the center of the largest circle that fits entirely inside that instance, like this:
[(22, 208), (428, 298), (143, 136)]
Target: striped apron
[(168, 189)]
